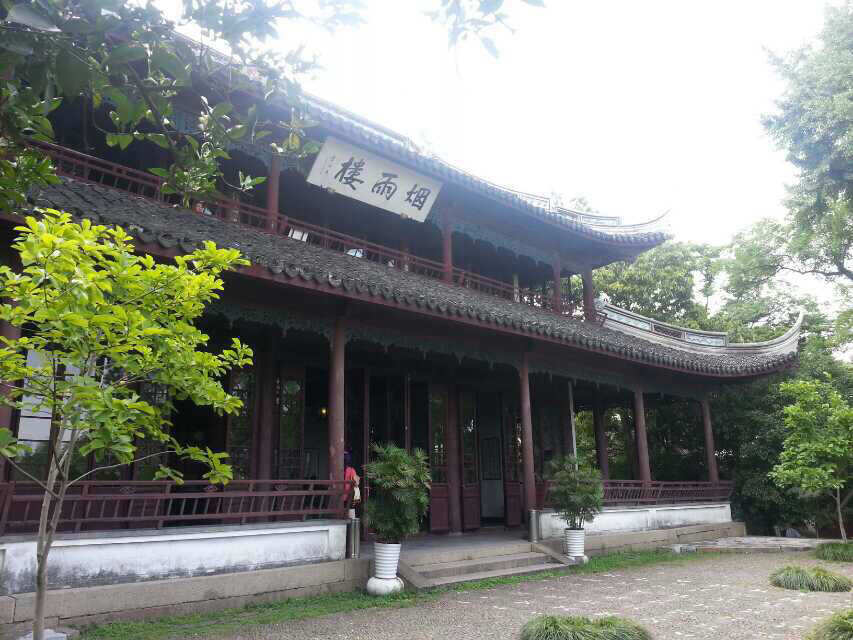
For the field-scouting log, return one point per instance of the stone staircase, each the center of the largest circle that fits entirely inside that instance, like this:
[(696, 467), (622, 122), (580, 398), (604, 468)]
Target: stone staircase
[(424, 569)]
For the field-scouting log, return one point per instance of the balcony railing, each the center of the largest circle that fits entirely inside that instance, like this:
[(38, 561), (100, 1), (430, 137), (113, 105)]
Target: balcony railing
[(99, 505), (639, 493), (90, 169)]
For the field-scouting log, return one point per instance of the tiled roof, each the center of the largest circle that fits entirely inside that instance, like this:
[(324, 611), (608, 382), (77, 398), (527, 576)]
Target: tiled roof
[(361, 131), (303, 263), (339, 121)]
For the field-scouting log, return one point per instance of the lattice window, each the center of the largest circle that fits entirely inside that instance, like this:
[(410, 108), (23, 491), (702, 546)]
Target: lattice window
[(290, 415), (468, 426), (438, 429), (513, 459), (239, 437)]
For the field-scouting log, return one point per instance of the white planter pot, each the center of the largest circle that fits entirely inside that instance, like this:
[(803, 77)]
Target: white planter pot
[(385, 560), (573, 542)]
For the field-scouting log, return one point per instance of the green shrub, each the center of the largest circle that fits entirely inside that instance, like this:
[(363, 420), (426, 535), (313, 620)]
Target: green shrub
[(835, 551), (817, 579), (579, 628), (399, 492), (576, 492), (838, 627)]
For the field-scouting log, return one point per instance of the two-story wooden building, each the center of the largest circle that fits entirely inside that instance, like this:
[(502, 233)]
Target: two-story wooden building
[(392, 297)]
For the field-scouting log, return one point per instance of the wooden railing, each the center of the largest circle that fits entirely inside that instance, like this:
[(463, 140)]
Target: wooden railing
[(94, 170), (100, 505), (91, 169), (638, 493)]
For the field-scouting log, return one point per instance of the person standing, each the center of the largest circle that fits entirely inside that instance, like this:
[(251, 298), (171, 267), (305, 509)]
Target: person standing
[(350, 475)]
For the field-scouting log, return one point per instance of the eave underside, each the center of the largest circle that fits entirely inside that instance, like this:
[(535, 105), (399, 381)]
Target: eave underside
[(158, 228)]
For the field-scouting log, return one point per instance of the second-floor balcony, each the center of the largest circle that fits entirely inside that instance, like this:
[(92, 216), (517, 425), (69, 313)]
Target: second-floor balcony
[(80, 166)]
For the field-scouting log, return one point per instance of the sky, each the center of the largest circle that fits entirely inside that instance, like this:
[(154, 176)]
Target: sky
[(641, 107)]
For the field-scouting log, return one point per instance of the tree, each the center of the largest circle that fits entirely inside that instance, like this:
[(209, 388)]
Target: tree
[(814, 124), (660, 283), (818, 453), (102, 321), (128, 59)]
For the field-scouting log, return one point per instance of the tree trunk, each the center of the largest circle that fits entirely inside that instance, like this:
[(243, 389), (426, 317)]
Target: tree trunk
[(43, 544), (840, 515)]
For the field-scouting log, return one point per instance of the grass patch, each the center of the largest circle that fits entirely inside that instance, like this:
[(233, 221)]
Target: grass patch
[(580, 628), (239, 620), (838, 627), (835, 551), (235, 620), (817, 579)]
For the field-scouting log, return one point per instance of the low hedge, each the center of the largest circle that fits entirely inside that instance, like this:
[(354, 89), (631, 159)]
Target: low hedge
[(580, 628), (802, 579), (838, 627), (835, 551)]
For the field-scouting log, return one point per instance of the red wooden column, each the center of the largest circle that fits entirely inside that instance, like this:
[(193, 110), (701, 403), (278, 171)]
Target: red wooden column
[(642, 439), (588, 296), (6, 413), (557, 302), (600, 438), (272, 191), (454, 478), (267, 406), (710, 450), (569, 409), (447, 245), (365, 481), (527, 435), (336, 401)]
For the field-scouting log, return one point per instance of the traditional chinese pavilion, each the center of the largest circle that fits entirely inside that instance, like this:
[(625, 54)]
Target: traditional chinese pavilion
[(390, 298), (393, 297)]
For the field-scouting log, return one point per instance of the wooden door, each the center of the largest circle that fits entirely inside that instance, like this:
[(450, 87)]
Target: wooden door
[(470, 466), (512, 466), (439, 503)]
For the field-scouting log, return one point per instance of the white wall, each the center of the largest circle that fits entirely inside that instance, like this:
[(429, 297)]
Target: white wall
[(624, 519), (116, 557)]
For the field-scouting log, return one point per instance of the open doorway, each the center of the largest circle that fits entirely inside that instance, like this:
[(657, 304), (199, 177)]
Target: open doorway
[(491, 459)]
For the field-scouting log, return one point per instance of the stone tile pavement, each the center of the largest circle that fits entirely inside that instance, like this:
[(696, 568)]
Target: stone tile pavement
[(708, 598), (759, 544)]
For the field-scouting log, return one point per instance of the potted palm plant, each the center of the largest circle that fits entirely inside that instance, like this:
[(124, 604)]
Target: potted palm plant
[(577, 495), (399, 497)]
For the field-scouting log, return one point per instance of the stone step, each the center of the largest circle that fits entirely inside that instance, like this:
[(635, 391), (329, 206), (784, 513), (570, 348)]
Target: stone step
[(480, 565), (497, 573), (416, 557)]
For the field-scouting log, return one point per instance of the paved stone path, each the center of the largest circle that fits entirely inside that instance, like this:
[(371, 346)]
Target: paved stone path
[(759, 544), (723, 597)]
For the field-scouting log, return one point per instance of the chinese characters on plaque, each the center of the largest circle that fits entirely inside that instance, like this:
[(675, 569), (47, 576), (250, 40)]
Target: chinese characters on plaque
[(374, 180)]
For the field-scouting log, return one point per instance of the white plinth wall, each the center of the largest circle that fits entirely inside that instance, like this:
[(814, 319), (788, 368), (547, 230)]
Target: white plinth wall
[(628, 519), (114, 557)]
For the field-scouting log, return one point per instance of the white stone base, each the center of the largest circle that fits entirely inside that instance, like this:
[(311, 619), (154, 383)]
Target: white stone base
[(628, 519), (384, 586), (117, 557)]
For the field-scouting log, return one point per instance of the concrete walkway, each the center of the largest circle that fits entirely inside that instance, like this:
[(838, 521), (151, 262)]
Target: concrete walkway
[(716, 597)]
